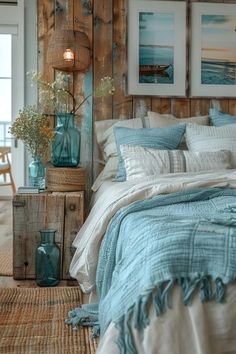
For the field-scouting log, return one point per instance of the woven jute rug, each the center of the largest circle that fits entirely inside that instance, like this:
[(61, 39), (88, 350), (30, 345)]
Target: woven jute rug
[(32, 322), (6, 262)]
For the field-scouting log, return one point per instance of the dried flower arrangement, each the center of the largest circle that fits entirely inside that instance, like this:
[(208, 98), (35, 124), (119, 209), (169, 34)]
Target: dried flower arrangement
[(55, 97), (33, 129)]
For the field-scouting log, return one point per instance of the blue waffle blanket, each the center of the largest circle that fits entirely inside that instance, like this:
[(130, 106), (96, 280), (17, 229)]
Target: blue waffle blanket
[(186, 238)]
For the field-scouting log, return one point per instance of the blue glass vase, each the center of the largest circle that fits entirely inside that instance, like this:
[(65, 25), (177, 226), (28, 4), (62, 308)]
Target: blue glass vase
[(47, 260), (66, 142), (37, 173)]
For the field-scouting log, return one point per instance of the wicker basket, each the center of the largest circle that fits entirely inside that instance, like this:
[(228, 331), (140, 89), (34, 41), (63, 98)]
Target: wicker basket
[(65, 179)]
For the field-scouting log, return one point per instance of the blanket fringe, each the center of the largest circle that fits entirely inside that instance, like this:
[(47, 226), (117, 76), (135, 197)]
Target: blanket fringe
[(205, 289), (220, 291), (188, 287), (137, 315), (141, 319), (121, 340), (86, 315)]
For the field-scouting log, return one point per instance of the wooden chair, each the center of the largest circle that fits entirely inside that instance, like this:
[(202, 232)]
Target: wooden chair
[(5, 168)]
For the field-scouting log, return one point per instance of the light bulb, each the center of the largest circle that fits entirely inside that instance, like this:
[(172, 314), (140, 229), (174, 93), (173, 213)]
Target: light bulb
[(68, 55)]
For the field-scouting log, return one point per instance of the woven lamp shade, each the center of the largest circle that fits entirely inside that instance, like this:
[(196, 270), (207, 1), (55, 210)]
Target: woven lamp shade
[(68, 40)]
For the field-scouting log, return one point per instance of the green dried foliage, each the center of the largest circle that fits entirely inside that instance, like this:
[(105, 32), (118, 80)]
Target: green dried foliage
[(55, 97), (104, 88)]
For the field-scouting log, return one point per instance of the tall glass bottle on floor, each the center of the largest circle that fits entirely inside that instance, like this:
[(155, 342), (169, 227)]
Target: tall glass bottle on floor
[(47, 260)]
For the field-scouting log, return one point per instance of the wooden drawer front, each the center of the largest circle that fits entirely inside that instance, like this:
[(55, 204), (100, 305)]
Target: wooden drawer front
[(31, 213)]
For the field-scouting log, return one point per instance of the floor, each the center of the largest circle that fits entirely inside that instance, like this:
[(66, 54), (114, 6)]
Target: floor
[(5, 224), (6, 243)]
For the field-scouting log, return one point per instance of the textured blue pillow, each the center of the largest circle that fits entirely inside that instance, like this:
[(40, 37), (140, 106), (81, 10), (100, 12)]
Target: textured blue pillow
[(218, 119), (167, 138)]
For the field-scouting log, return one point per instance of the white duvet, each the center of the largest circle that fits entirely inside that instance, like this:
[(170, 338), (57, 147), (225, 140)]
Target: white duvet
[(198, 329)]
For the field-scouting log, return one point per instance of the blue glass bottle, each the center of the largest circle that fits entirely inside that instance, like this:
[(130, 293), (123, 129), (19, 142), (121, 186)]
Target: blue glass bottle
[(47, 260), (66, 143), (37, 173)]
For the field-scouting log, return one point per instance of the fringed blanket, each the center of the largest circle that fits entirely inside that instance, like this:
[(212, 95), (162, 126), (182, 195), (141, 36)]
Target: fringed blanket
[(188, 238)]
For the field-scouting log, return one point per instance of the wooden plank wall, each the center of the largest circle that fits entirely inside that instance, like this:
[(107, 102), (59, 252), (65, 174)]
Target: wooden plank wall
[(77, 15), (105, 23)]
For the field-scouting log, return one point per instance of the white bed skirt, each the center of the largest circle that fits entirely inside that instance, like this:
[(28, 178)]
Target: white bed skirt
[(208, 328)]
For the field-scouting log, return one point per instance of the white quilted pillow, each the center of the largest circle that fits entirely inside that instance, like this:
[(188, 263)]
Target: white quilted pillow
[(141, 162), (157, 120), (105, 135), (109, 172), (200, 138)]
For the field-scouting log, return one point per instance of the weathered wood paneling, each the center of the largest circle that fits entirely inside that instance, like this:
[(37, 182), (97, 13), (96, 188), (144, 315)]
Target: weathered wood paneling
[(161, 105), (102, 63), (141, 105), (102, 54), (83, 86), (180, 107), (46, 24), (105, 23), (122, 104), (77, 15)]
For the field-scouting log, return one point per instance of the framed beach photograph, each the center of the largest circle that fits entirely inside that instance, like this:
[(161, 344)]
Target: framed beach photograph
[(157, 48), (213, 50)]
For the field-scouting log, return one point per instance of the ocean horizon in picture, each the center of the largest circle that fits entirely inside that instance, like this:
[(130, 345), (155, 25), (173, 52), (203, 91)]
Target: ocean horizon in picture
[(218, 54), (156, 48)]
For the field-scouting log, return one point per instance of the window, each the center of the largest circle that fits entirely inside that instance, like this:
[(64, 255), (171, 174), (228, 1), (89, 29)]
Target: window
[(12, 80), (5, 88)]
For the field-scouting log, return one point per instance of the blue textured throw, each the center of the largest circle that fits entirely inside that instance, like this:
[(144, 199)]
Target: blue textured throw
[(185, 238)]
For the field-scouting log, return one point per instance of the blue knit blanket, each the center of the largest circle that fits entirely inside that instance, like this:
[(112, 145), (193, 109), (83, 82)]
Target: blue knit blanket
[(188, 238)]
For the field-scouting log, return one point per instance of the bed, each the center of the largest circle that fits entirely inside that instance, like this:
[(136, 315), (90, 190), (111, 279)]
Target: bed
[(158, 254)]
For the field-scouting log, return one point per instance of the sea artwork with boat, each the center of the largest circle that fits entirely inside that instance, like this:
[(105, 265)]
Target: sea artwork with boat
[(218, 54), (156, 48)]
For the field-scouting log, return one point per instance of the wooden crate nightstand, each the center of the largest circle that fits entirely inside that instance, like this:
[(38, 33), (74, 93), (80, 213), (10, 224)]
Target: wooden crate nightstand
[(32, 212)]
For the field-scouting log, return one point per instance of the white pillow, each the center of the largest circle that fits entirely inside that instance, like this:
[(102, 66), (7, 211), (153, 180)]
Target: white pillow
[(200, 138), (105, 135), (141, 162), (109, 172), (157, 120)]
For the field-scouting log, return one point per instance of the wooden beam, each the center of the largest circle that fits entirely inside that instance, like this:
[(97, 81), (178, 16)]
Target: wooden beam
[(102, 59), (122, 102)]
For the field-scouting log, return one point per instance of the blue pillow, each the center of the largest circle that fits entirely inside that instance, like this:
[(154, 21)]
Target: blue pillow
[(167, 138), (218, 119)]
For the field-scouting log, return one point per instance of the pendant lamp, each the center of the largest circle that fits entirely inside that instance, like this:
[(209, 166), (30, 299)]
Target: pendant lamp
[(68, 50)]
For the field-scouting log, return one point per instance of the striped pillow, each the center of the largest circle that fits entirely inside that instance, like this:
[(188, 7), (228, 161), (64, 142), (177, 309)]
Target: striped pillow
[(160, 138), (218, 119), (201, 138), (141, 162)]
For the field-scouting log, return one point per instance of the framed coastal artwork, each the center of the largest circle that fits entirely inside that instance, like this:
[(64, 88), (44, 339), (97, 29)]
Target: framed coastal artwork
[(213, 50), (157, 48)]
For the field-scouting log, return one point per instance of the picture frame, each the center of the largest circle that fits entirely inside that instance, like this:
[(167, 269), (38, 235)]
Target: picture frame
[(157, 48), (213, 53)]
